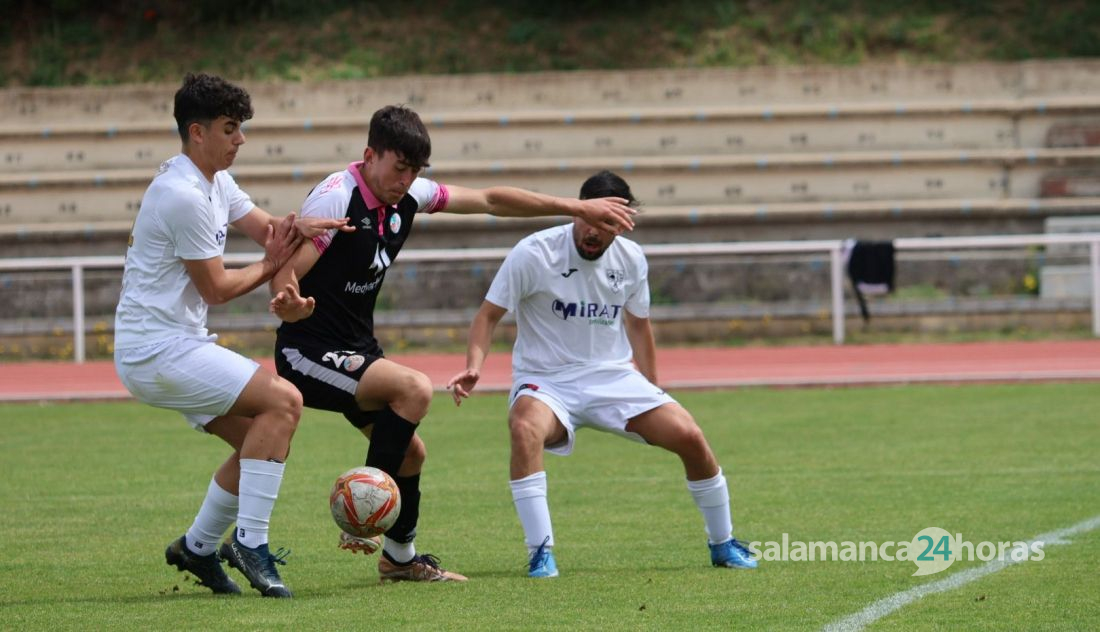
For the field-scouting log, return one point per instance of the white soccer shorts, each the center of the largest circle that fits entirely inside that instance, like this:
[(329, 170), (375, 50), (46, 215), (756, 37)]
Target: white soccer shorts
[(604, 399), (193, 376)]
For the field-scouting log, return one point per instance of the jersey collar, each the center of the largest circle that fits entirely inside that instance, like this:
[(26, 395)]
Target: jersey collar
[(368, 197), (205, 185)]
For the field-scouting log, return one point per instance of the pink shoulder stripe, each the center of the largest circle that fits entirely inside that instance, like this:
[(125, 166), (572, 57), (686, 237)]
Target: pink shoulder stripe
[(439, 202)]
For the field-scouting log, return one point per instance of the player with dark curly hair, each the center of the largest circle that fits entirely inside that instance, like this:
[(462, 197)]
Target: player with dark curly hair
[(166, 357), (203, 98)]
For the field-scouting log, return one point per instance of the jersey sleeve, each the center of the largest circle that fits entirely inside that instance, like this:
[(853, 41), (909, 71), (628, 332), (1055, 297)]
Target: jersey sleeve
[(511, 282), (240, 204), (329, 200), (430, 196), (189, 222), (637, 303)]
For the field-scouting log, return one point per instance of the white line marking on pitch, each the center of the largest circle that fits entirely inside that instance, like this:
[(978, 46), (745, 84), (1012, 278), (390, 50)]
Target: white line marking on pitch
[(883, 607)]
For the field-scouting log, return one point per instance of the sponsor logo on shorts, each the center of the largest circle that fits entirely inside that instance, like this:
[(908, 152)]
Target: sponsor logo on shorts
[(526, 387), (347, 360)]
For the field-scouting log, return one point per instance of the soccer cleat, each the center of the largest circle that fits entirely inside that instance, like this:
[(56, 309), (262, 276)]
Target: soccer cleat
[(258, 566), (731, 554), (421, 568), (207, 568), (542, 562), (355, 544)]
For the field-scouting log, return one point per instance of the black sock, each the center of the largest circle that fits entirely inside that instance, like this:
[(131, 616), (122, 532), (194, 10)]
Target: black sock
[(389, 440), (404, 530)]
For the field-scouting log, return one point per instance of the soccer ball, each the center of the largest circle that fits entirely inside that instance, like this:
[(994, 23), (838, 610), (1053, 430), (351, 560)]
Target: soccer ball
[(365, 501)]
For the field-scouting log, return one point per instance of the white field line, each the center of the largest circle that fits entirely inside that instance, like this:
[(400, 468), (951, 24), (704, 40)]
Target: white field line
[(883, 607)]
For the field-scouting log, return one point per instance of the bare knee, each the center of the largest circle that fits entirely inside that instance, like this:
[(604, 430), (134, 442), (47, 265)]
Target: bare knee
[(525, 432), (414, 398), (285, 406)]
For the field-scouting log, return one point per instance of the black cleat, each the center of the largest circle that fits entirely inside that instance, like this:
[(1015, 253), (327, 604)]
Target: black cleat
[(258, 566), (207, 568)]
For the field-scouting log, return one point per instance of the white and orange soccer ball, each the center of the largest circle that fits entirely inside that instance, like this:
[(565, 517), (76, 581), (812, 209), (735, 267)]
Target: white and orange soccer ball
[(365, 501)]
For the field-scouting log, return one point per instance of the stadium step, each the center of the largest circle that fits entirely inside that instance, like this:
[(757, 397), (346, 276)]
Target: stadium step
[(999, 124), (582, 90)]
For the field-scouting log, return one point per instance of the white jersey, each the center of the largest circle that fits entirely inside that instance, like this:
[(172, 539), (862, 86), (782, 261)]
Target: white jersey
[(569, 311), (182, 216)]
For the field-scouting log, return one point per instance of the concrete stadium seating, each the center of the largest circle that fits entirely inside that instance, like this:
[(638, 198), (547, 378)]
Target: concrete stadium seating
[(967, 141)]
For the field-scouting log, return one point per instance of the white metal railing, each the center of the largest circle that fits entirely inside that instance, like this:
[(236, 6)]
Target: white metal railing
[(833, 247)]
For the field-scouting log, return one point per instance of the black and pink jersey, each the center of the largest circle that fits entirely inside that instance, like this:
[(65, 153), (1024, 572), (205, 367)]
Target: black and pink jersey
[(347, 277)]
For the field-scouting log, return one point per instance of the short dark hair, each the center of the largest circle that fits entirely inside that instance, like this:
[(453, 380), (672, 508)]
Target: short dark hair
[(203, 98), (397, 128), (607, 184)]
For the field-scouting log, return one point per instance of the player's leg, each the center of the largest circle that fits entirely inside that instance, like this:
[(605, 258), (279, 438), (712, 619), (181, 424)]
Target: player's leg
[(672, 427), (401, 535), (275, 406), (219, 507), (206, 382), (398, 399), (196, 551), (532, 426), (393, 400)]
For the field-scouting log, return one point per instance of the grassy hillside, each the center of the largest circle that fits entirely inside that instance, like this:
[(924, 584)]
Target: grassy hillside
[(68, 42)]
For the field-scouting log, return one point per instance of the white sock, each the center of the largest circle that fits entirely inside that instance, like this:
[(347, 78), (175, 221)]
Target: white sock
[(218, 511), (260, 482), (401, 552), (712, 497), (529, 496)]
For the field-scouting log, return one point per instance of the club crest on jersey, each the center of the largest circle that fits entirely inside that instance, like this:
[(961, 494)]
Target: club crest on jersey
[(616, 278), (395, 223), (219, 236)]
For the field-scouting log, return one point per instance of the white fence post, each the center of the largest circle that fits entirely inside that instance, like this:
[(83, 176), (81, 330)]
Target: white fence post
[(836, 274), (1094, 270), (78, 313)]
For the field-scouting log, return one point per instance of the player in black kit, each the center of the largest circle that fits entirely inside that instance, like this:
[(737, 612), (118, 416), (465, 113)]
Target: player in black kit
[(326, 297)]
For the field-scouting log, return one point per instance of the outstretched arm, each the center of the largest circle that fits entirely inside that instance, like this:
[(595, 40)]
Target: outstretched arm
[(255, 223), (610, 214), (477, 347), (640, 334), (217, 285)]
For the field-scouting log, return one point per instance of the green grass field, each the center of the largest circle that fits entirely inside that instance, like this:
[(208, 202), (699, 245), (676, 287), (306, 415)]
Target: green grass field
[(92, 494)]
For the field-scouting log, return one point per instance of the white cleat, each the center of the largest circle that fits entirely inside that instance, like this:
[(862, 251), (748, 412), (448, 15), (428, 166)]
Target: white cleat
[(366, 546)]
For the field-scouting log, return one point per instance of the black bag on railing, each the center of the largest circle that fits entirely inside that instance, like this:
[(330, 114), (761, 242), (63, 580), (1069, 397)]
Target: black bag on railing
[(870, 269)]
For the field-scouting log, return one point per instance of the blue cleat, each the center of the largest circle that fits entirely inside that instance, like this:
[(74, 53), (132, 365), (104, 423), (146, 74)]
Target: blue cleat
[(731, 554), (542, 562), (257, 565)]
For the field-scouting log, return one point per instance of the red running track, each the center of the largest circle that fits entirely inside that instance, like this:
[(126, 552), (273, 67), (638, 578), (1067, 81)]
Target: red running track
[(681, 368)]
